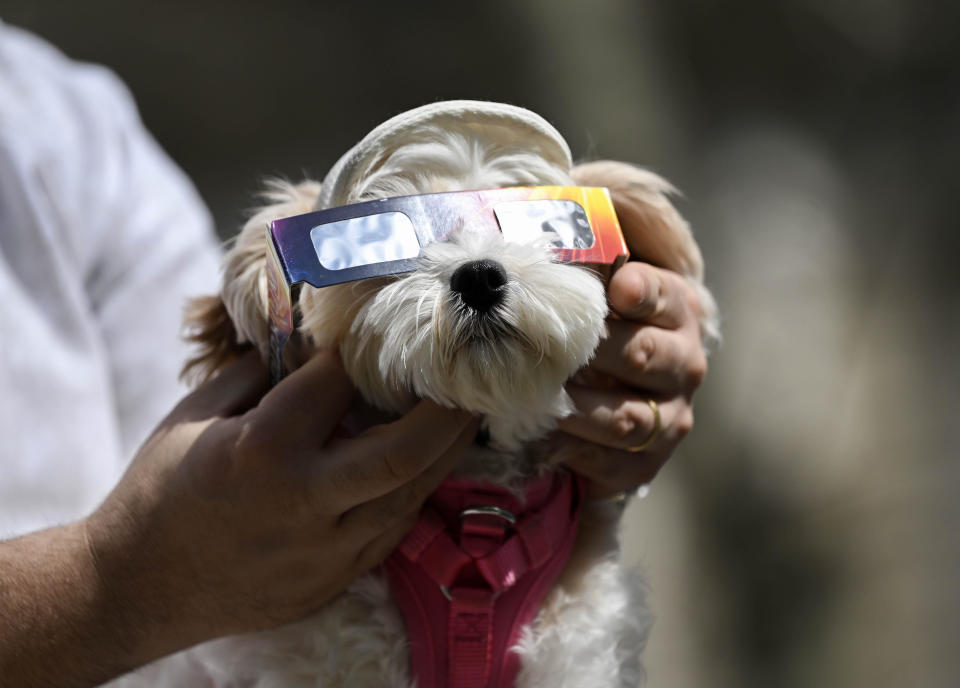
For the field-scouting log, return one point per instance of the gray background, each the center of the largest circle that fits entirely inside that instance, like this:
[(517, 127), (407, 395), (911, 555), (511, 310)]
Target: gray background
[(806, 533)]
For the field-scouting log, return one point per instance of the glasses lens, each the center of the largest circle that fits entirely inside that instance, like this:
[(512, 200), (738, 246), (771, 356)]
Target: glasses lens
[(365, 240), (525, 221)]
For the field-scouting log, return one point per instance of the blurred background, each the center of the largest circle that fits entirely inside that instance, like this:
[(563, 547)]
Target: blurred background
[(807, 532)]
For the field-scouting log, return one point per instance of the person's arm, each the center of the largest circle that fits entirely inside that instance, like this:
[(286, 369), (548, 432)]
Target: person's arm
[(54, 622), (210, 530)]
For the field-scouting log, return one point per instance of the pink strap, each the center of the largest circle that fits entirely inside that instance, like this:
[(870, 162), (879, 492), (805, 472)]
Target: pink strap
[(471, 637), (538, 536), (465, 605)]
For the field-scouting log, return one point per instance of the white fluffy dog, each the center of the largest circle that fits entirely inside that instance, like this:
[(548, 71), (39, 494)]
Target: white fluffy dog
[(415, 335)]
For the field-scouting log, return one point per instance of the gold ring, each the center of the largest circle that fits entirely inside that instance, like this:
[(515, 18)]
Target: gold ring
[(653, 433)]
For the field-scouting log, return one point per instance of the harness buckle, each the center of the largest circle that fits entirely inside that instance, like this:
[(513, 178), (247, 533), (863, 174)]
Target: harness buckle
[(494, 594), (489, 511)]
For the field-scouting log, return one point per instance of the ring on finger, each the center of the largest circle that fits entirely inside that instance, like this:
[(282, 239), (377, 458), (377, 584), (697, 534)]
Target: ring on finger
[(654, 433)]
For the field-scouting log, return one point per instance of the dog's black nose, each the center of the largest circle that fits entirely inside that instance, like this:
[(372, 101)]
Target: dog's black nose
[(480, 284)]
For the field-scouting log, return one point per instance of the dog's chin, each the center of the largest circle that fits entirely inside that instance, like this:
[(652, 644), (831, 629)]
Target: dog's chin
[(515, 408), (477, 350), (484, 459)]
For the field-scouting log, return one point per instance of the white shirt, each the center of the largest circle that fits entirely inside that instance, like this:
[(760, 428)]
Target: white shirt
[(102, 238)]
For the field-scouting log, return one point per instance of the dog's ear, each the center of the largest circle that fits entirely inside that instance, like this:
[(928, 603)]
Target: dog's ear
[(224, 326), (207, 325), (653, 228)]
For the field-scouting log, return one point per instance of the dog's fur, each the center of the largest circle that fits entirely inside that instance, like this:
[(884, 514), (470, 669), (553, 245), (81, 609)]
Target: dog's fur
[(407, 337)]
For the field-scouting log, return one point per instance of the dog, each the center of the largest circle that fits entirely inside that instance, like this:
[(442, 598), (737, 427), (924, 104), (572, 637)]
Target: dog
[(485, 323)]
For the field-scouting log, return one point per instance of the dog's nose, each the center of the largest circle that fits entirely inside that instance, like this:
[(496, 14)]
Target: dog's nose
[(480, 284)]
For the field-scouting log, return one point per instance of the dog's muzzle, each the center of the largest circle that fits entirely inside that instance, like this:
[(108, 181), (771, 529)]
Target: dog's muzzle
[(480, 284)]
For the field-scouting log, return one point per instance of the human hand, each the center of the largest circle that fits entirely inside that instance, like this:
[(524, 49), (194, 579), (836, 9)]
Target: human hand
[(653, 352), (242, 513)]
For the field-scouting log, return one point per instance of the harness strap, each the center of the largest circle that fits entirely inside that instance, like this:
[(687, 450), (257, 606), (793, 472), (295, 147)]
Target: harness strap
[(429, 544), (470, 643), (465, 603)]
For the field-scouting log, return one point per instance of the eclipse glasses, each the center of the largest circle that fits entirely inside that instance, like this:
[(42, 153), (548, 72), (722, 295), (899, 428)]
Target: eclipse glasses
[(385, 237)]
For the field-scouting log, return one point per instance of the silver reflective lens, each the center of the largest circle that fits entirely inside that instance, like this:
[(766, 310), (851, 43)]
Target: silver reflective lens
[(365, 240), (524, 221)]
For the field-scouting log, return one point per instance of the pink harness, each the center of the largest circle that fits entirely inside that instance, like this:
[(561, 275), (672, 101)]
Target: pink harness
[(475, 570)]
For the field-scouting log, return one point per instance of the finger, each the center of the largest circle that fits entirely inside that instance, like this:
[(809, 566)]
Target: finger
[(369, 520), (387, 456), (378, 549), (236, 389), (642, 292), (306, 406), (670, 362), (611, 470), (297, 351), (619, 420)]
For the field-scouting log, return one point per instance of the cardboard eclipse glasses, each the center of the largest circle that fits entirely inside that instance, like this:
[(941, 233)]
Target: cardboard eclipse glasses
[(385, 237)]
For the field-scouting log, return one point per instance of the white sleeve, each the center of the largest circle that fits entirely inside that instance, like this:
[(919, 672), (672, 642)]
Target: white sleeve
[(156, 249), (122, 216)]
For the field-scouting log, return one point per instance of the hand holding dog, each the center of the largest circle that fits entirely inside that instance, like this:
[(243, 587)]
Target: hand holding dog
[(238, 514), (653, 351)]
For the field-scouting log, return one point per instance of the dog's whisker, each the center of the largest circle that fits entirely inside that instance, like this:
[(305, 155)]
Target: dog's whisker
[(419, 316)]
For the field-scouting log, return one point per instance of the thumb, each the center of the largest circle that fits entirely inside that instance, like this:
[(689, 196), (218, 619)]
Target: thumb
[(235, 390)]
